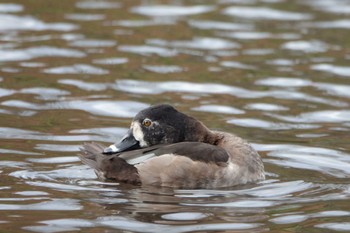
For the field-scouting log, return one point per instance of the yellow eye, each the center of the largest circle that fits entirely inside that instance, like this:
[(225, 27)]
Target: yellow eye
[(147, 122)]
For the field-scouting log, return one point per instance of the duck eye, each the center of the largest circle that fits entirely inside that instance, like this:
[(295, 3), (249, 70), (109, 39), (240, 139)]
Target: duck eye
[(146, 122)]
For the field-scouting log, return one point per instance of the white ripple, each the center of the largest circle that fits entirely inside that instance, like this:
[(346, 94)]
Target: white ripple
[(277, 190), (61, 225), (111, 61), (132, 225), (185, 216), (269, 125), (171, 11), (312, 160), (143, 23), (237, 1), (163, 69), (153, 88), (55, 160), (45, 93), (281, 62), (19, 152), (101, 131), (126, 109), (284, 82), (6, 92), (204, 43), (342, 24), (70, 187), (334, 89), (32, 64), (247, 35), (210, 25), (341, 7), (36, 52), (325, 116), (32, 193), (335, 226), (337, 70), (51, 205), (266, 107), (10, 7), (237, 65), (143, 87), (93, 43), (313, 46), (85, 17), (13, 22), (71, 172), (264, 13), (84, 85), (288, 219), (330, 213), (76, 69), (148, 50), (258, 52), (218, 109), (97, 4)]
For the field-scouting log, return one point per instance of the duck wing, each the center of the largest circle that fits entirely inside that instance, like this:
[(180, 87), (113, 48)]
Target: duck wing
[(196, 151)]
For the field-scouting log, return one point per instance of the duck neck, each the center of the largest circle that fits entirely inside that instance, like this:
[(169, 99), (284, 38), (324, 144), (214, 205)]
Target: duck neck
[(198, 132)]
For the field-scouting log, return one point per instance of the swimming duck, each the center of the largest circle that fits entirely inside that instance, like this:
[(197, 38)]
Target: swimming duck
[(165, 147)]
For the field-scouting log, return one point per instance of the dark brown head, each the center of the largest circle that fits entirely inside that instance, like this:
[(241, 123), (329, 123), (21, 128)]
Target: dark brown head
[(159, 124)]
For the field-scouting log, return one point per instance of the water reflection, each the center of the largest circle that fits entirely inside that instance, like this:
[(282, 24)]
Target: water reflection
[(205, 43), (142, 87), (97, 5), (170, 11), (338, 70), (336, 226), (85, 17), (306, 46), (93, 43), (148, 50), (52, 205), (99, 107), (264, 13), (12, 22), (37, 52), (10, 7), (342, 7), (76, 69), (218, 109), (111, 61), (342, 24), (163, 69)]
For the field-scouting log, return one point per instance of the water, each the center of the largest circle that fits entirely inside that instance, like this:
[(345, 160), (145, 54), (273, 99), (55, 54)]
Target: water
[(275, 72)]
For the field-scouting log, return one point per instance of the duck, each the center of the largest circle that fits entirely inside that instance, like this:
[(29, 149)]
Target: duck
[(165, 147)]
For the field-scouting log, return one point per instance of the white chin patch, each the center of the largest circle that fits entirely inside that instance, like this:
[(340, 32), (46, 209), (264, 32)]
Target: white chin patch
[(138, 134)]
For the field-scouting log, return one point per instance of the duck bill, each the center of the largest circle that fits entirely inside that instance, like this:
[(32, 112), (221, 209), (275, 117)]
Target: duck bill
[(127, 143)]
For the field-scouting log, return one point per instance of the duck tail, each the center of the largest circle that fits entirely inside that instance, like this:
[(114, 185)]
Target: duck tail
[(89, 153), (108, 167)]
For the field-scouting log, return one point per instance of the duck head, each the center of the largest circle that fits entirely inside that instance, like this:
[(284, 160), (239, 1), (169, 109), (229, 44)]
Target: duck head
[(159, 124)]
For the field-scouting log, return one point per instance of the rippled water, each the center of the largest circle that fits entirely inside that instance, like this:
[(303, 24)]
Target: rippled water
[(275, 72)]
